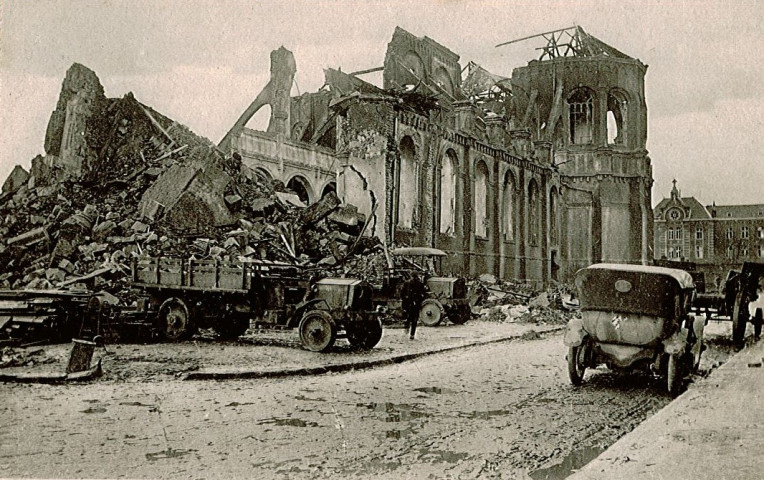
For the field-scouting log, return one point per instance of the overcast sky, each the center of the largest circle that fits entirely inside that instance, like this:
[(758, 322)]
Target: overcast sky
[(202, 63)]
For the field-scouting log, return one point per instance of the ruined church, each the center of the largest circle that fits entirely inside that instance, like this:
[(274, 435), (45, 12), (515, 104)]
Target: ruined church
[(528, 176)]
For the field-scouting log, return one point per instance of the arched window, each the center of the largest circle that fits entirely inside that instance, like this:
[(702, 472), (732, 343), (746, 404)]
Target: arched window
[(508, 204), (617, 110), (481, 199), (443, 80), (301, 187), (553, 216), (534, 213), (448, 171), (330, 187), (407, 183), (581, 117)]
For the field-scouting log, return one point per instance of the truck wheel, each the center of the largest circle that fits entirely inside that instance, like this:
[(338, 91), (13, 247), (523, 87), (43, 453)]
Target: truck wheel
[(674, 374), (739, 319), (317, 331), (758, 319), (430, 313), (460, 315), (232, 327), (174, 320), (365, 335)]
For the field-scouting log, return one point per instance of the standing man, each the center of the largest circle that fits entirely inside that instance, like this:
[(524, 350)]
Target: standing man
[(413, 293)]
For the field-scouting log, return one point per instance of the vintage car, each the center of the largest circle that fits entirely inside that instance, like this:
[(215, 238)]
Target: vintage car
[(447, 298), (635, 317)]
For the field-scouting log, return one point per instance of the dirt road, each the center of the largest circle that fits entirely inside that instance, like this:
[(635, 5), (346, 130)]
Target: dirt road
[(497, 411)]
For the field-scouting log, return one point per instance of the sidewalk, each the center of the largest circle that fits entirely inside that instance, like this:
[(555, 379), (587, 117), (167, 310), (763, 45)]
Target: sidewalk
[(715, 430), (263, 354)]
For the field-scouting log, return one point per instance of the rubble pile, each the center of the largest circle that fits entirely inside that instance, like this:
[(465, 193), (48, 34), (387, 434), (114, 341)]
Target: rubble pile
[(120, 181), (504, 301)]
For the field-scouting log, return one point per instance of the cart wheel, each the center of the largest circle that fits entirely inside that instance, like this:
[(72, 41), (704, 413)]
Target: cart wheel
[(577, 363), (674, 374), (365, 335), (174, 320), (317, 331), (460, 315), (758, 319), (431, 313), (739, 319)]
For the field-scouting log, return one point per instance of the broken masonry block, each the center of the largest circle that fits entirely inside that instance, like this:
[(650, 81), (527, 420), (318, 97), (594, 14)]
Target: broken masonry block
[(126, 224), (103, 230), (66, 265), (112, 216), (319, 210), (54, 275), (30, 238), (216, 251), (15, 180), (290, 199), (139, 227), (46, 191), (36, 219), (230, 242), (233, 202)]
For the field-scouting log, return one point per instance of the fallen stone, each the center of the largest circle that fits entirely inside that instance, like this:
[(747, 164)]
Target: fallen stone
[(290, 199), (15, 180), (230, 243), (139, 227), (541, 300), (233, 202), (30, 238), (103, 230), (46, 191), (66, 266), (320, 210), (54, 275), (487, 278)]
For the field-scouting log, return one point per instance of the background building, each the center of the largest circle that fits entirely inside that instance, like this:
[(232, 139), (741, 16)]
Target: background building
[(716, 238)]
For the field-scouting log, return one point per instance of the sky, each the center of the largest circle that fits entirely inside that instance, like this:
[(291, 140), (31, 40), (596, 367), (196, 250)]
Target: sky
[(201, 63)]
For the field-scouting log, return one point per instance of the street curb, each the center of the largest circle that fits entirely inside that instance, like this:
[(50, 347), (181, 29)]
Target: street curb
[(54, 378), (344, 367)]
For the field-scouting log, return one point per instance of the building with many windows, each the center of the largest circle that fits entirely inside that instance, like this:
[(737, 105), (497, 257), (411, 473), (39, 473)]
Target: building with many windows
[(716, 238), (526, 177)]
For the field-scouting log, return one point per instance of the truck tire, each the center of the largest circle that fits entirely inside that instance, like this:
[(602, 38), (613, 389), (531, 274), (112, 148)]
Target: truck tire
[(174, 320), (365, 335), (460, 315), (317, 331), (430, 313), (739, 319), (232, 327)]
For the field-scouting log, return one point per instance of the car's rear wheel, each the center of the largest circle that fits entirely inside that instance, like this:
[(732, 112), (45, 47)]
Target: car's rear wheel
[(674, 374)]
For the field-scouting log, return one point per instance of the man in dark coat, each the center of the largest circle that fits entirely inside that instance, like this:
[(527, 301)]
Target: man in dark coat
[(413, 293)]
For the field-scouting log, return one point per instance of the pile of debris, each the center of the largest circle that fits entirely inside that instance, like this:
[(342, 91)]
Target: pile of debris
[(120, 181), (505, 301)]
